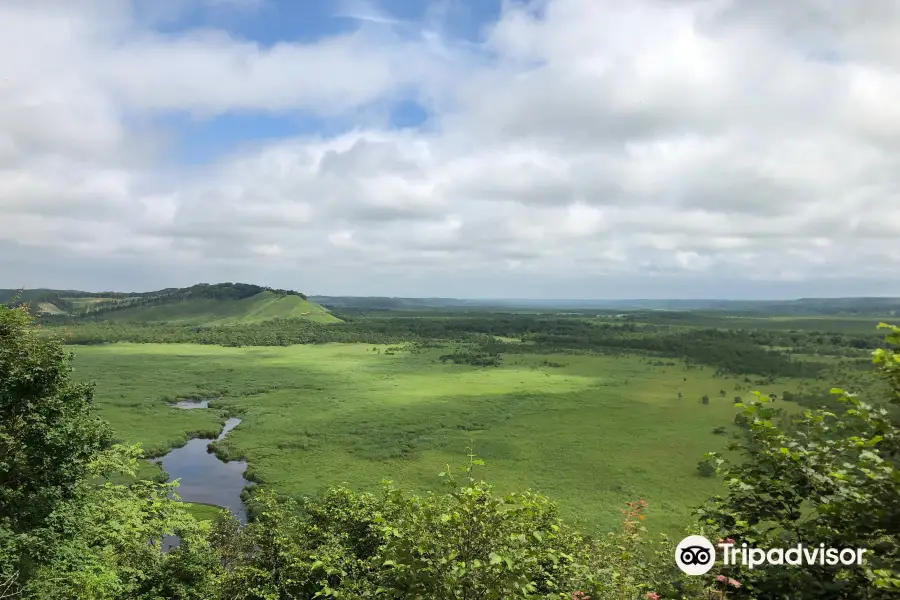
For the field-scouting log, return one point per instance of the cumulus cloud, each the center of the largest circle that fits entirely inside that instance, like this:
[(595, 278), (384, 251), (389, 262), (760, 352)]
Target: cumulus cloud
[(578, 143)]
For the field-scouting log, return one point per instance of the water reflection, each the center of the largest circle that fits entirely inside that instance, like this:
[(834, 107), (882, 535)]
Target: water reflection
[(206, 479), (191, 403)]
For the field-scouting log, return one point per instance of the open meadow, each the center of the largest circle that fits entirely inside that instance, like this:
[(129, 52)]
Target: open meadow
[(592, 432)]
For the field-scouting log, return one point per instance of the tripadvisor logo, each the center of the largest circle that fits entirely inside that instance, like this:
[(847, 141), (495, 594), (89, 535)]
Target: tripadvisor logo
[(696, 555)]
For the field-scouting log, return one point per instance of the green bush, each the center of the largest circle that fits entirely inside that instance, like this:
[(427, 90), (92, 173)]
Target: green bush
[(704, 469), (830, 478)]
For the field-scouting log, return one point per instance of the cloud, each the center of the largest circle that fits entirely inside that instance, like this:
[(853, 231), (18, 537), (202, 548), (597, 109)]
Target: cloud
[(577, 144), (359, 10)]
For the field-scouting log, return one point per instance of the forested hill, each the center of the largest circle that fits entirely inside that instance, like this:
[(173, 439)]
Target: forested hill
[(201, 304)]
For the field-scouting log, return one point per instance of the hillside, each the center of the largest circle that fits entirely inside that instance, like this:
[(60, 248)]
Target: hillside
[(202, 305), (254, 309)]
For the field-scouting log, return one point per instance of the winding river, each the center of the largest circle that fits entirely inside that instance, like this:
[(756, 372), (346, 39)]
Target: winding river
[(203, 477)]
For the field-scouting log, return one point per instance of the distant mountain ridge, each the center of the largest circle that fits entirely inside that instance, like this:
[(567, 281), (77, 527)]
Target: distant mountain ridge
[(242, 302), (798, 307)]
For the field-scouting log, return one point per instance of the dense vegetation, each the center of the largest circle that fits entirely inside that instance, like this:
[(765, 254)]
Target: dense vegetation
[(831, 477), (733, 351)]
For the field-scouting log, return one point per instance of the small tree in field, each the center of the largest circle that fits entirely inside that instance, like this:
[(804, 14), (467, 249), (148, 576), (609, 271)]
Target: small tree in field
[(704, 469)]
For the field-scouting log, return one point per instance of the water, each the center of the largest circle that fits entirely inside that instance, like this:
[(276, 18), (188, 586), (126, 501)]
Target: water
[(206, 479), (191, 403), (203, 478)]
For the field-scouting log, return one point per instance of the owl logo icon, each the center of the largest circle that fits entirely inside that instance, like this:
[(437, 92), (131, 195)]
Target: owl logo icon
[(695, 555)]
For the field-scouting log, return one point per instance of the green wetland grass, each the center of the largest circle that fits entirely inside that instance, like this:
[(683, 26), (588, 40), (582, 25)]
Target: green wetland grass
[(203, 512), (591, 432)]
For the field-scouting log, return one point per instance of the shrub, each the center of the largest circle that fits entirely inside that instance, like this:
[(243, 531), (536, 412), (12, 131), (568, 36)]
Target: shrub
[(831, 478), (705, 469)]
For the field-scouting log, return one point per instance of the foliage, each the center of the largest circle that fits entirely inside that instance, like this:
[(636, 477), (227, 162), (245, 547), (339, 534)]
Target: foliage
[(620, 564), (61, 535), (467, 543), (833, 479), (704, 469), (475, 357), (105, 544), (48, 435)]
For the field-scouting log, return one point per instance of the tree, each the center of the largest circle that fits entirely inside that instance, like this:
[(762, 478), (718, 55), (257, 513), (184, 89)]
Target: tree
[(48, 434), (831, 478), (63, 535), (105, 544), (705, 469)]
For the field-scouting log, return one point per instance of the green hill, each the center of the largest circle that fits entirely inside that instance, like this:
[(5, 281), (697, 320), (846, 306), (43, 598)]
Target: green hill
[(203, 311), (202, 304)]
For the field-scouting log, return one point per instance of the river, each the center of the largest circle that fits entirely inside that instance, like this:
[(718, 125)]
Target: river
[(203, 478)]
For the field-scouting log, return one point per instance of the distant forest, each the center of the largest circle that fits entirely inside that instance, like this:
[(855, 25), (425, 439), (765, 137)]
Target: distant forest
[(739, 351), (802, 306)]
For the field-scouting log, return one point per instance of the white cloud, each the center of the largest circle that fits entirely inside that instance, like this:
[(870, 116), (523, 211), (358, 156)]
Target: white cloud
[(582, 141)]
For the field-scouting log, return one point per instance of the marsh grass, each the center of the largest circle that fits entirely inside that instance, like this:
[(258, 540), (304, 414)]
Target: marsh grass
[(204, 512), (589, 431)]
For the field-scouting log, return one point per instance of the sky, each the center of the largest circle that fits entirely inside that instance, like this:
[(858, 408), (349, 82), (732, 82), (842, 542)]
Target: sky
[(462, 148)]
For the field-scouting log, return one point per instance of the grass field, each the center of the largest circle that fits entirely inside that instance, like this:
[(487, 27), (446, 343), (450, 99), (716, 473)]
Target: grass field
[(254, 309), (204, 512), (592, 433), (50, 309)]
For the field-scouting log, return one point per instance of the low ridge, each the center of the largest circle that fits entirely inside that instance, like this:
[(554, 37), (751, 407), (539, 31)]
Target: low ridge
[(202, 305)]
